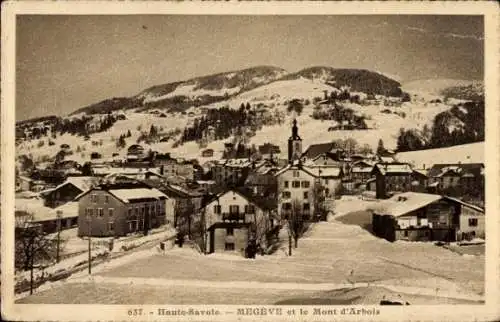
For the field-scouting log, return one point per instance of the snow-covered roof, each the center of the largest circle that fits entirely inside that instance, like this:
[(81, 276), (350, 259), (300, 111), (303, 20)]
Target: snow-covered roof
[(325, 171), (126, 195), (24, 178), (466, 204), (386, 168), (404, 203), (362, 169), (205, 182), (386, 159), (40, 212), (295, 166), (82, 183)]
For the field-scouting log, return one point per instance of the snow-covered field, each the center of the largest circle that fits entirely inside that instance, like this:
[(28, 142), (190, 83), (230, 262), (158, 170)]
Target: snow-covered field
[(332, 255), (466, 153)]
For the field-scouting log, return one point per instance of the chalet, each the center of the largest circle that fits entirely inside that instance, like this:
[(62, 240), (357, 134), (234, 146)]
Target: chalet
[(419, 180), (33, 212), (170, 167), (323, 154), (207, 186), (330, 177), (231, 172), (425, 217), (136, 174), (464, 175), (207, 153), (135, 152), (122, 208), (392, 177), (361, 171), (261, 179), (233, 218), (67, 191), (268, 150)]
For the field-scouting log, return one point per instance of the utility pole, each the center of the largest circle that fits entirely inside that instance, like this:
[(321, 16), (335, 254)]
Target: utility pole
[(59, 215), (89, 221)]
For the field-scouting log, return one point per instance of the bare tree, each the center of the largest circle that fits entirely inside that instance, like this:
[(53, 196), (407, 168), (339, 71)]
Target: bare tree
[(260, 227), (296, 225), (183, 218), (32, 245), (319, 201)]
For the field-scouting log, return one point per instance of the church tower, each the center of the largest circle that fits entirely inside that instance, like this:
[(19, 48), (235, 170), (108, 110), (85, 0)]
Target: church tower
[(294, 144)]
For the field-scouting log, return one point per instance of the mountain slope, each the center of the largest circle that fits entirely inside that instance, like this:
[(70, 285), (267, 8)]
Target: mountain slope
[(454, 88), (359, 80)]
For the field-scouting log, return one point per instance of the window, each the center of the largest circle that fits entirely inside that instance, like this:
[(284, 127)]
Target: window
[(472, 222), (93, 198), (111, 226), (326, 181), (106, 199), (305, 184), (307, 207), (217, 209), (229, 231), (100, 212), (234, 209), (130, 212), (296, 173), (406, 233), (306, 194), (89, 212), (249, 209), (229, 246), (136, 211), (286, 184), (286, 206), (286, 194), (296, 184), (110, 212)]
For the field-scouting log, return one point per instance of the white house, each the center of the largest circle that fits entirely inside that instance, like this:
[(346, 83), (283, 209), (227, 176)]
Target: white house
[(232, 218)]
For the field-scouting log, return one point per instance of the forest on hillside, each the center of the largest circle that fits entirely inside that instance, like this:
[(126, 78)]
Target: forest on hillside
[(463, 123)]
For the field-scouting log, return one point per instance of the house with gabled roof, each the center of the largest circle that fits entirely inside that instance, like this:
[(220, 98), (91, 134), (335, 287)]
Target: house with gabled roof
[(295, 184), (392, 178), (443, 176), (328, 176), (118, 209), (361, 171), (67, 191), (234, 218), (426, 217), (323, 154)]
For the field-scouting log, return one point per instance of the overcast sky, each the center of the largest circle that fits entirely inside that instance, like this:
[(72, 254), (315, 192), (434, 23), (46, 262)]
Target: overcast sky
[(67, 62)]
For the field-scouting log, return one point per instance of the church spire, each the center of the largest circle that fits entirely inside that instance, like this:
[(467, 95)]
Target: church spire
[(294, 144), (295, 131)]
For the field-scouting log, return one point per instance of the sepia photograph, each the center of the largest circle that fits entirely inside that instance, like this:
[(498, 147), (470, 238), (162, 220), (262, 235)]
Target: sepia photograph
[(322, 161)]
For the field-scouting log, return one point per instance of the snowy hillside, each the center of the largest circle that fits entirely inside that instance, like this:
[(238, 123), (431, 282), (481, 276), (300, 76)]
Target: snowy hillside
[(466, 153), (264, 88), (459, 89)]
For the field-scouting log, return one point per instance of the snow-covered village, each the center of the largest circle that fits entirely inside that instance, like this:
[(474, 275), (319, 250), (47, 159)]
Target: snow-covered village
[(260, 185)]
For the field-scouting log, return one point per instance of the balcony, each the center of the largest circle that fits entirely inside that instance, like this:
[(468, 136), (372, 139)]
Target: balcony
[(233, 216)]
